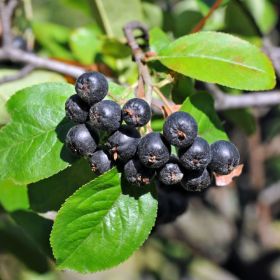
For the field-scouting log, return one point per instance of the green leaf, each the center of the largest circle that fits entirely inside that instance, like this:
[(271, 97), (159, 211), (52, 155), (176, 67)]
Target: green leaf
[(201, 107), (112, 18), (102, 224), (53, 38), (13, 197), (50, 193), (219, 58), (158, 39), (115, 48), (8, 89), (31, 145), (152, 14), (85, 43)]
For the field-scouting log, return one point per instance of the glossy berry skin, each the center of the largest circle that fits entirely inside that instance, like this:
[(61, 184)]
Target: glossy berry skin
[(170, 174), (137, 174), (100, 162), (92, 87), (76, 109), (225, 157), (81, 141), (153, 150), (180, 129), (105, 115), (136, 112), (196, 181), (122, 144), (197, 156)]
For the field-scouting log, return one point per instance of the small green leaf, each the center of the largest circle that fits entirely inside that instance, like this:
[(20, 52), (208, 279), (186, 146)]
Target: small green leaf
[(220, 58), (201, 107), (85, 43), (31, 145), (13, 197), (102, 224), (158, 39), (119, 94)]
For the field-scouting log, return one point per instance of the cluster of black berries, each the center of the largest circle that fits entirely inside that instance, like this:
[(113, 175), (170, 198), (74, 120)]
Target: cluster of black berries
[(104, 140)]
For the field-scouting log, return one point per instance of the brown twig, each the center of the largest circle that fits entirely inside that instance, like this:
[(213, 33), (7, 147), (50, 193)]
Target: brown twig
[(6, 13), (203, 21), (166, 102), (224, 101), (19, 75), (138, 55)]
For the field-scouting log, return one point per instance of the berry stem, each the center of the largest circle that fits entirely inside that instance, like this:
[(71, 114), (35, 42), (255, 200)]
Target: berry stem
[(169, 110)]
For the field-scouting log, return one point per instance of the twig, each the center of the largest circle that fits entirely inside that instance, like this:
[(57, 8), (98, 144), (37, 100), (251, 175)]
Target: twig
[(202, 22), (224, 101), (20, 74), (17, 55), (164, 100), (6, 13), (138, 55)]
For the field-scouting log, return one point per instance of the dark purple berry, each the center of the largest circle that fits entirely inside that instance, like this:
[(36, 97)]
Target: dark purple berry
[(105, 115), (137, 174), (81, 141), (180, 129), (170, 173), (100, 162), (136, 112), (196, 181), (122, 144), (92, 87), (76, 109), (225, 157), (197, 156), (153, 150)]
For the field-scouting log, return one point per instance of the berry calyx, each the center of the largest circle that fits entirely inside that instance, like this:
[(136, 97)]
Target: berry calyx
[(197, 156), (92, 87), (122, 144), (137, 174), (81, 141), (153, 150), (180, 129), (170, 173), (136, 112), (225, 157), (105, 115), (100, 162), (76, 109)]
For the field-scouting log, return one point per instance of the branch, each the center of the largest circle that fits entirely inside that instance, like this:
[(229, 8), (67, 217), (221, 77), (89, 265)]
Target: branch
[(224, 101), (19, 75), (16, 55), (6, 13)]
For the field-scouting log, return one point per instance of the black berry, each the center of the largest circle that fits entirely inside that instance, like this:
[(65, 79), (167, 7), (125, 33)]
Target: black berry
[(92, 87), (196, 181), (136, 112), (100, 162), (197, 156), (153, 150), (225, 157), (137, 174), (105, 115), (81, 141), (122, 144), (170, 173), (76, 109), (180, 129)]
